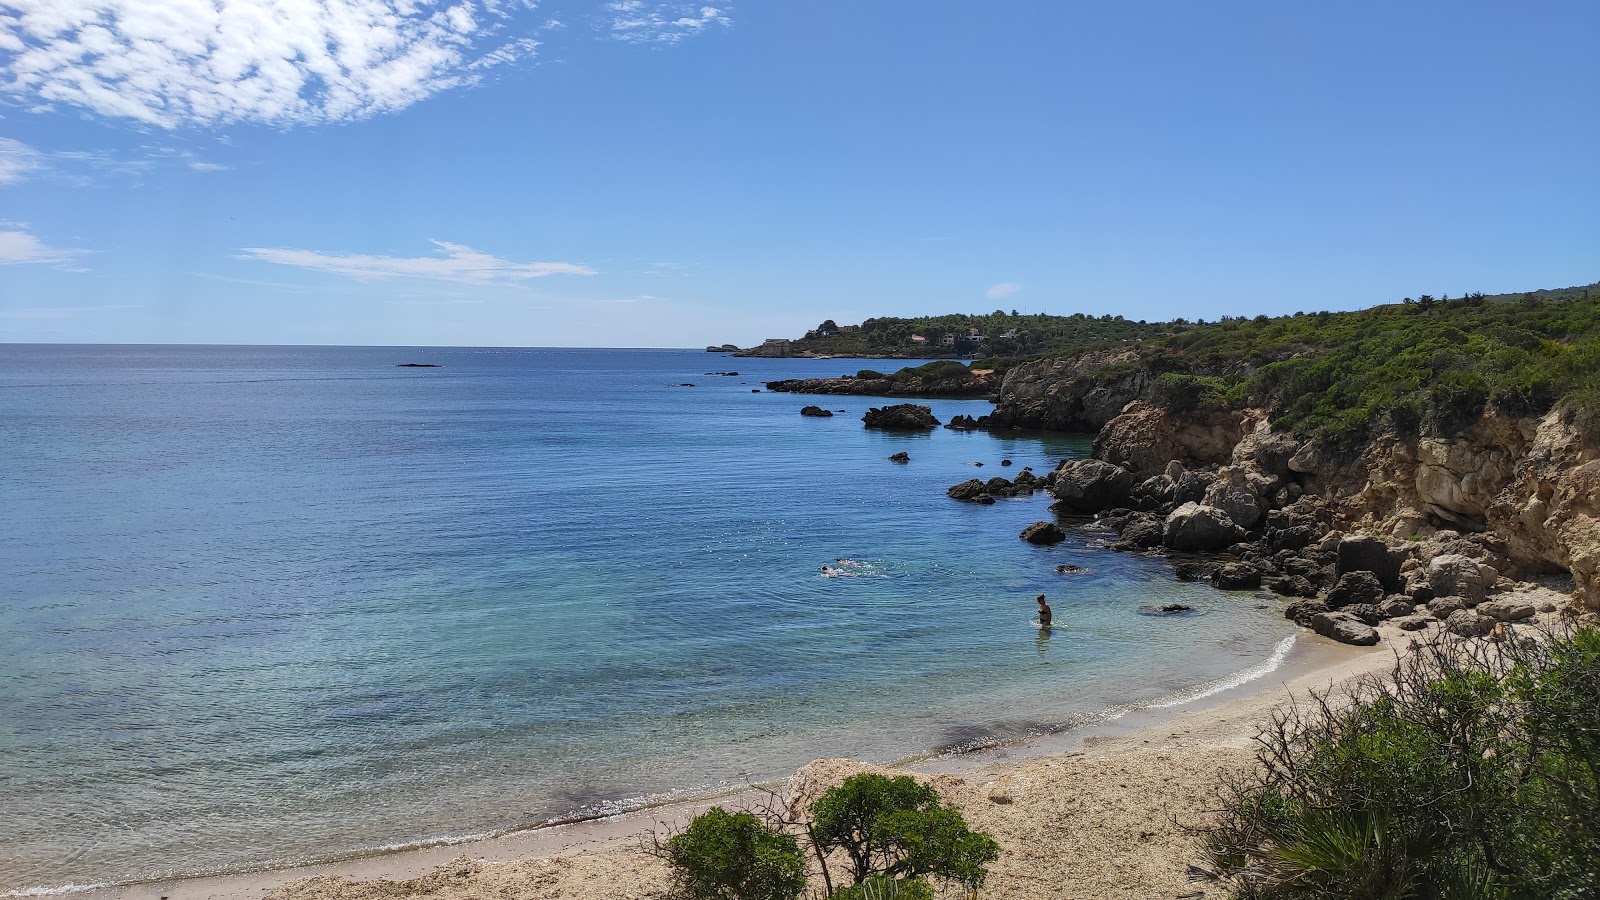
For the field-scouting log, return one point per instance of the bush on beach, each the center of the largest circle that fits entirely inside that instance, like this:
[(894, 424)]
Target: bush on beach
[(1472, 771), (893, 832)]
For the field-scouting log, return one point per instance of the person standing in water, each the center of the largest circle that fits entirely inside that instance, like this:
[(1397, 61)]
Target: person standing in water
[(1044, 612)]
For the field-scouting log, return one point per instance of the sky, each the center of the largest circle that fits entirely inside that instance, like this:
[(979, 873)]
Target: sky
[(665, 174)]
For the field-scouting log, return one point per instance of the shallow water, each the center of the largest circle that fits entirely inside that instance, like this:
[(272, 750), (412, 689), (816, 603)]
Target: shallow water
[(260, 606)]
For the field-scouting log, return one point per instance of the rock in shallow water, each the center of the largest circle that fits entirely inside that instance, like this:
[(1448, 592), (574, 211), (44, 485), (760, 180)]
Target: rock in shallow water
[(1043, 533)]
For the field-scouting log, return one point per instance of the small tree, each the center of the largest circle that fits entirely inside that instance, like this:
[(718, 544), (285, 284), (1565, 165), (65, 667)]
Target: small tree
[(734, 856), (898, 829)]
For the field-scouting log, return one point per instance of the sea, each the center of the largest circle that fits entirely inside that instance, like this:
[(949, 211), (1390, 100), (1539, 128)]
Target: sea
[(268, 606)]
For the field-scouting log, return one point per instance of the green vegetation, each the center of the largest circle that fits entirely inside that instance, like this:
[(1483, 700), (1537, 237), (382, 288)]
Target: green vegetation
[(894, 833), (1424, 365), (1472, 772), (1030, 335), (734, 856), (897, 828)]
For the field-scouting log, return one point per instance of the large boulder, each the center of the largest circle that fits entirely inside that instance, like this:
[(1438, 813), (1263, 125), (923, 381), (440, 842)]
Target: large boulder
[(1090, 485), (1397, 606), (1303, 611), (1237, 576), (1043, 533), (1506, 610), (1355, 587), (1141, 532), (1467, 623), (1194, 526), (1454, 575), (1232, 494), (1344, 628), (901, 417), (815, 412), (1363, 553)]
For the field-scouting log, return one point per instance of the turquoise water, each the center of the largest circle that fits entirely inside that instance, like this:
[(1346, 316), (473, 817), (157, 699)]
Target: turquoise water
[(261, 606)]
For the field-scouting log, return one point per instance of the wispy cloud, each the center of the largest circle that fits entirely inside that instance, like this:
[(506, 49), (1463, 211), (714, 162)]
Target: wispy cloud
[(458, 263), (17, 161), (639, 22), (18, 246), (285, 63), (1002, 290)]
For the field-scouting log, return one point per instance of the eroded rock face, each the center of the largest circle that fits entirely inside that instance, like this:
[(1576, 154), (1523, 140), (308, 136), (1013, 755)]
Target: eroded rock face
[(1058, 394), (1090, 485), (1453, 575), (1194, 526)]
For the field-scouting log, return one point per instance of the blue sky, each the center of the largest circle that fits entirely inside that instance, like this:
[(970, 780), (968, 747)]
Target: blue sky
[(648, 173)]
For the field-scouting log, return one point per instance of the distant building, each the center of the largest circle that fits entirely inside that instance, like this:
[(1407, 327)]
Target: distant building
[(918, 340), (973, 336), (949, 340), (846, 329), (1009, 335)]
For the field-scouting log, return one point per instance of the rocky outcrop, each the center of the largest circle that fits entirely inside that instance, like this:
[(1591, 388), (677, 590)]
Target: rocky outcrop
[(902, 417), (1193, 526), (1089, 486), (963, 386), (816, 412), (1532, 486), (1345, 628), (1078, 394), (1043, 533)]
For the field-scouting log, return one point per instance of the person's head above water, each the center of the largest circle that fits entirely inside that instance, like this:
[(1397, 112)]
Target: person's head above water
[(1040, 598)]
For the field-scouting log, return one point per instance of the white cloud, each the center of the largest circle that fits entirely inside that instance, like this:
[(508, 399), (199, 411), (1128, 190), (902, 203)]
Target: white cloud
[(459, 263), (638, 22), (1002, 290), (17, 161), (22, 247), (167, 63)]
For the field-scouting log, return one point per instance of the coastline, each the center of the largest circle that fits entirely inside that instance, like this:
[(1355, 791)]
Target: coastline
[(600, 857)]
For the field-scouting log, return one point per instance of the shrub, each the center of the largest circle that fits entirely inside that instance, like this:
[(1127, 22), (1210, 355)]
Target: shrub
[(734, 856), (1473, 771), (881, 887), (898, 828), (870, 373)]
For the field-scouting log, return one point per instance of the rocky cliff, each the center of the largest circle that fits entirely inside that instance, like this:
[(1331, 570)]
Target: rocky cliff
[(1519, 497), (963, 386)]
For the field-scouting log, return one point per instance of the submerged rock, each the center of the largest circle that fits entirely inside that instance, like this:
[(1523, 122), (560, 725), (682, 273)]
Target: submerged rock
[(816, 412), (901, 457)]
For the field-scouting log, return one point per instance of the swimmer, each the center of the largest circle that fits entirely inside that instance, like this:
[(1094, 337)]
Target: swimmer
[(846, 562), (829, 571), (1044, 612)]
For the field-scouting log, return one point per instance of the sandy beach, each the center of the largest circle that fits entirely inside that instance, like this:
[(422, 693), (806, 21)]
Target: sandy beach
[(1095, 812)]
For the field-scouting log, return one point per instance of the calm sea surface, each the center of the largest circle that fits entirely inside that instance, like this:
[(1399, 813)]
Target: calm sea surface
[(261, 606)]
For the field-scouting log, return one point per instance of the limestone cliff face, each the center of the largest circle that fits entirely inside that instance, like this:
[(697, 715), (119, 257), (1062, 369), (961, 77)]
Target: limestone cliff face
[(1531, 485)]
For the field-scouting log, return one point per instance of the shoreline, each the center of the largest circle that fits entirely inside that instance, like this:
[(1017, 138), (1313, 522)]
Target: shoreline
[(1311, 661)]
